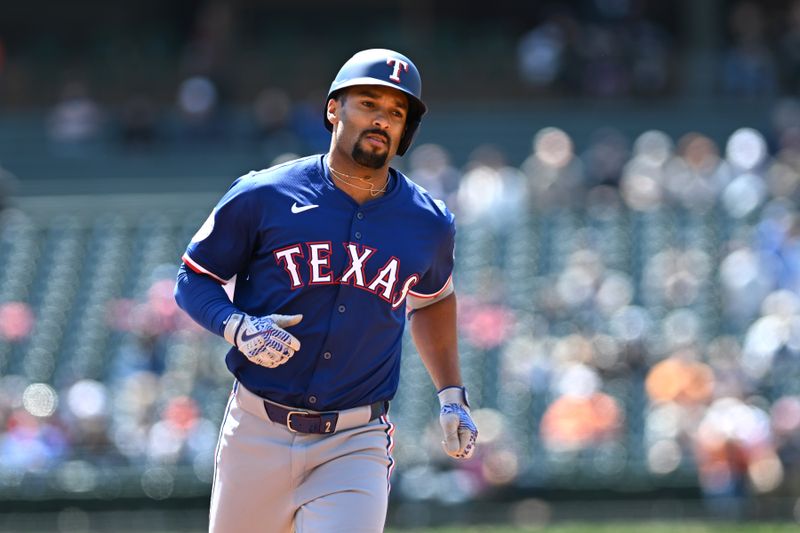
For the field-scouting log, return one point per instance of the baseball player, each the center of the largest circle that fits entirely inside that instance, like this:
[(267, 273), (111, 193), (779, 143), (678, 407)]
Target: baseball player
[(326, 255)]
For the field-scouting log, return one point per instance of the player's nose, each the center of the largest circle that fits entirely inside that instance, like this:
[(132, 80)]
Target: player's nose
[(381, 118)]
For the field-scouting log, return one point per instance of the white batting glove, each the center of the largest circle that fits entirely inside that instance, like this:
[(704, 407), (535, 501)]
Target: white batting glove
[(262, 339), (460, 432)]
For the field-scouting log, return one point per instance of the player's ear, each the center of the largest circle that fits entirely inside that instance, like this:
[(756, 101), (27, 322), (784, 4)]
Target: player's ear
[(333, 110)]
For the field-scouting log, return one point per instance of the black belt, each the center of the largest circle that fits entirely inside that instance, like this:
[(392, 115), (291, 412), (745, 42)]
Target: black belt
[(300, 421)]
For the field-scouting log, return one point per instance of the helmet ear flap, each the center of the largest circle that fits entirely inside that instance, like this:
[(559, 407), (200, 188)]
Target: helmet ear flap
[(408, 136)]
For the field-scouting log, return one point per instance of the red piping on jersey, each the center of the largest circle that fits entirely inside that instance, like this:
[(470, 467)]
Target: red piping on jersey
[(434, 295), (189, 262)]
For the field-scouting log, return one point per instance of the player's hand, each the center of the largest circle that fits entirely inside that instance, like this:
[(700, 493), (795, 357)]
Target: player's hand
[(263, 339), (460, 432)]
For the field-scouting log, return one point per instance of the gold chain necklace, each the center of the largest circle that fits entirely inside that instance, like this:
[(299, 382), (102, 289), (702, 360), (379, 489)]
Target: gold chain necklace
[(339, 175)]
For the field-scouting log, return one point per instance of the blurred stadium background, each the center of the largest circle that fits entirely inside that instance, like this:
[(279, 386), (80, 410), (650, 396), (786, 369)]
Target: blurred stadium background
[(625, 174)]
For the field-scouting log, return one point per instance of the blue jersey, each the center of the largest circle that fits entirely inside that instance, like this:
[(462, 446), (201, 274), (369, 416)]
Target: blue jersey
[(296, 244)]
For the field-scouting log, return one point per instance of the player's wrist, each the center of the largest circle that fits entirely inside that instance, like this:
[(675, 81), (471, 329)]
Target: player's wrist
[(232, 325), (453, 394)]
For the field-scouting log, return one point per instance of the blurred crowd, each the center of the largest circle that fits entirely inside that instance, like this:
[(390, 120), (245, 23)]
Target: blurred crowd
[(198, 118), (616, 49), (629, 309), (593, 48), (655, 320), (610, 49), (154, 405)]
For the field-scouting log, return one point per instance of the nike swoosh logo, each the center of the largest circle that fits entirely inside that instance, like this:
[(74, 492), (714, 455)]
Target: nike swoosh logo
[(298, 209), (248, 338)]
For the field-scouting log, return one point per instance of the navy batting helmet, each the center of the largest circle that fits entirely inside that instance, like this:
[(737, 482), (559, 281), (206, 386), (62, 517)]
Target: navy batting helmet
[(379, 66)]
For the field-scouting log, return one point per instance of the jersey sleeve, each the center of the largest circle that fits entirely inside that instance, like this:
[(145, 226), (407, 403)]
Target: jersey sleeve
[(224, 243), (439, 277)]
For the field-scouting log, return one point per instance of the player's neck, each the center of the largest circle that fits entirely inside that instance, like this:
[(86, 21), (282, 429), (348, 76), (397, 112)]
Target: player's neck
[(346, 165), (361, 183)]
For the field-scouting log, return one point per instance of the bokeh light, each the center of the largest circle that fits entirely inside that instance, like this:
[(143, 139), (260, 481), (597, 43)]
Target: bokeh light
[(16, 321), (746, 148), (553, 147), (40, 400)]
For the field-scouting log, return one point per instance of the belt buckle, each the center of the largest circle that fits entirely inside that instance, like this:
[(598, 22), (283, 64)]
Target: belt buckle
[(289, 419)]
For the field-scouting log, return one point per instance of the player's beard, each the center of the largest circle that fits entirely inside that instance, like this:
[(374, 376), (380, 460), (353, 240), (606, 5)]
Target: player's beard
[(367, 158)]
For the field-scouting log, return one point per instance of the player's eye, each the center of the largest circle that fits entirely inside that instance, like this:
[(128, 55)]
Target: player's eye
[(367, 103)]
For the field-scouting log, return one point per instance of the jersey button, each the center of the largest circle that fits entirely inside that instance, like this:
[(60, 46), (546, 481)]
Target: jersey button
[(360, 215), (358, 235), (342, 308), (326, 355), (312, 399)]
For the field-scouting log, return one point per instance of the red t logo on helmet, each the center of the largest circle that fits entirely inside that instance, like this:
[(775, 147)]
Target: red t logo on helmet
[(398, 64)]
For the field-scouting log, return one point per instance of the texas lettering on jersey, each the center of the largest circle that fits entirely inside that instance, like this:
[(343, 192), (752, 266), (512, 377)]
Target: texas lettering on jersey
[(316, 255)]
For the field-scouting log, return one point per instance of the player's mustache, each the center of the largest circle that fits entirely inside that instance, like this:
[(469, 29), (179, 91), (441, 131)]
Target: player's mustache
[(376, 132)]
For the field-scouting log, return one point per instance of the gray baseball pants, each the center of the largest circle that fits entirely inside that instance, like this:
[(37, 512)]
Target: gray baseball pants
[(268, 479)]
